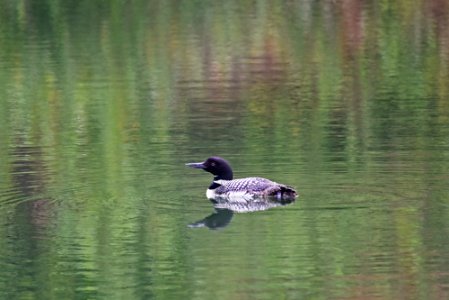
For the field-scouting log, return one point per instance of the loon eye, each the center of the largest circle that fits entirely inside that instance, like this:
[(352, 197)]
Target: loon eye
[(212, 164)]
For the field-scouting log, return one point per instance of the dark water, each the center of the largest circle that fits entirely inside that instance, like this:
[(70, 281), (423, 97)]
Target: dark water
[(103, 102)]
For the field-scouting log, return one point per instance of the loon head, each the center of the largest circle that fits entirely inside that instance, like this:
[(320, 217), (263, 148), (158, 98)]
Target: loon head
[(218, 166)]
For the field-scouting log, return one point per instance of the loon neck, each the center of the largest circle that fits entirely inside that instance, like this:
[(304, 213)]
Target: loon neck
[(214, 185)]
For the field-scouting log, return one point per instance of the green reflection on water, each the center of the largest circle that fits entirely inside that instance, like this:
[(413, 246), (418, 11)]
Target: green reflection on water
[(104, 102)]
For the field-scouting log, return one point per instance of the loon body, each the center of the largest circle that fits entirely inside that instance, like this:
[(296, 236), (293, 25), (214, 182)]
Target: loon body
[(225, 187)]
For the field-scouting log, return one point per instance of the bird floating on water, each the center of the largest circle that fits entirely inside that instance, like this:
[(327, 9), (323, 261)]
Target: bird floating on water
[(224, 186)]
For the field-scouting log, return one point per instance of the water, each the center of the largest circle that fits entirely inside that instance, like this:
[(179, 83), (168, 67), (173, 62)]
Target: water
[(102, 104)]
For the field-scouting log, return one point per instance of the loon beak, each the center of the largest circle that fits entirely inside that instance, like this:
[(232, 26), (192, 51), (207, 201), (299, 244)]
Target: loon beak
[(196, 165)]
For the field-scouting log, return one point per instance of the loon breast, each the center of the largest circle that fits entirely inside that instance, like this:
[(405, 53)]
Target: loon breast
[(250, 188)]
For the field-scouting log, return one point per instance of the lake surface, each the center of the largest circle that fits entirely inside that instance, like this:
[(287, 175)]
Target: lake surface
[(103, 103)]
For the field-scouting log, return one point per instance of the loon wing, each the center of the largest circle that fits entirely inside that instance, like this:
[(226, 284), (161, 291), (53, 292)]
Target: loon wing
[(250, 184), (254, 187)]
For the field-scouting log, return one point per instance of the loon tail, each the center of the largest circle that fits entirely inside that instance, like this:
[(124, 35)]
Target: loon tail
[(282, 193)]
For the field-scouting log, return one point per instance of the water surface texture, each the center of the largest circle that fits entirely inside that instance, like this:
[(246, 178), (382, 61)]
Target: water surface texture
[(103, 102)]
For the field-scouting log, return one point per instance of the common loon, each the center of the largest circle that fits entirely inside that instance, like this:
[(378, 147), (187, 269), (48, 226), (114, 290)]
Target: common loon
[(223, 186)]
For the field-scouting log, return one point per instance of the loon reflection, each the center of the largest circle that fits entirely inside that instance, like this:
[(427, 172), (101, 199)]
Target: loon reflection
[(224, 211), (220, 218)]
